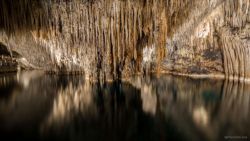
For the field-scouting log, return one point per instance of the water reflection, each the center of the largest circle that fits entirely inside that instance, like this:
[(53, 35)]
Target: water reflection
[(51, 107)]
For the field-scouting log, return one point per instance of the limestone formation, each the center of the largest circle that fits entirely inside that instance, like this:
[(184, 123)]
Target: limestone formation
[(110, 39)]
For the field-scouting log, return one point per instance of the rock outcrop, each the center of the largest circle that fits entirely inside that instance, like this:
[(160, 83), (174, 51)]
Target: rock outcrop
[(111, 39)]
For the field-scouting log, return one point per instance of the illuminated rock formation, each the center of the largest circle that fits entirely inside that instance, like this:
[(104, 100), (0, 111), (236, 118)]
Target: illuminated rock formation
[(111, 39)]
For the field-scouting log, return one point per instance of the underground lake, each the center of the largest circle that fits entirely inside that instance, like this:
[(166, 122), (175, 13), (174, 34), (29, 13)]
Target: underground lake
[(38, 106)]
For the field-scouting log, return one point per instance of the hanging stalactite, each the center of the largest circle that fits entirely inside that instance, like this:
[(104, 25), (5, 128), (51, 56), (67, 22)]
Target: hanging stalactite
[(113, 39)]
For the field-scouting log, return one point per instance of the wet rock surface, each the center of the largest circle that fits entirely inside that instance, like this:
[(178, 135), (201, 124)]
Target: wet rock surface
[(111, 39)]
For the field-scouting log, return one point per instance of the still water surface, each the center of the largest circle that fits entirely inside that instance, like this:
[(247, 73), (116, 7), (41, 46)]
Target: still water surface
[(34, 106)]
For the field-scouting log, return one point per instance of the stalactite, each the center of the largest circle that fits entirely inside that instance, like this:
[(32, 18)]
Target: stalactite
[(112, 37)]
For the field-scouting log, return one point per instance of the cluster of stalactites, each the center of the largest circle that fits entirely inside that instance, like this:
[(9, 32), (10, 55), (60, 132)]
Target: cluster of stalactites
[(23, 15), (107, 38), (237, 12), (104, 37), (99, 37), (235, 46)]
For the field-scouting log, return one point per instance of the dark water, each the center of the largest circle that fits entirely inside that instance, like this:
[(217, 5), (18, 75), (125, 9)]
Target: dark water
[(34, 106)]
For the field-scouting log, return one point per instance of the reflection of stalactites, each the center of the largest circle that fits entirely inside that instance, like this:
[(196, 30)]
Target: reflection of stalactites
[(148, 93), (200, 116), (236, 97), (149, 99), (26, 77), (71, 101)]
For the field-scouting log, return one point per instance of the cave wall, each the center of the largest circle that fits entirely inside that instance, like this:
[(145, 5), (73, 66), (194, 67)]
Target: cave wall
[(213, 39), (117, 38)]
